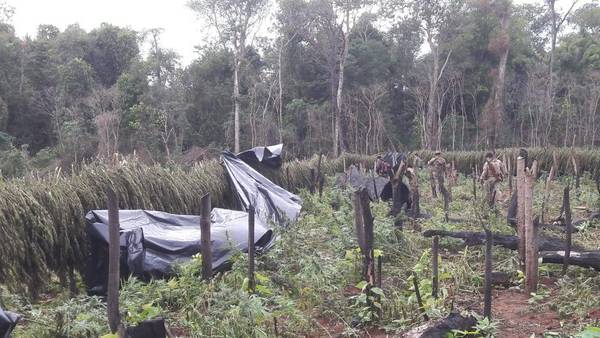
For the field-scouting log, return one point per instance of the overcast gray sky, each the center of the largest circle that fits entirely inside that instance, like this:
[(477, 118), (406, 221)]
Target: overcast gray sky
[(182, 29)]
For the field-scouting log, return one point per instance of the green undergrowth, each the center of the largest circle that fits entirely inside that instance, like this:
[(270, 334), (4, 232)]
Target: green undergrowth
[(310, 282)]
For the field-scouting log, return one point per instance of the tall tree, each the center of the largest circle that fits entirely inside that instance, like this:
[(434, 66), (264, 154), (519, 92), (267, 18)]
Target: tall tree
[(233, 21)]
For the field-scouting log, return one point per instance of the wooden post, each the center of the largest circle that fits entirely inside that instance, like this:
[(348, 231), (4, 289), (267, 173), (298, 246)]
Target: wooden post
[(251, 250), (434, 266), (521, 210), (114, 250), (321, 184), (318, 177), (379, 270), (311, 185), (531, 244), (418, 295), (487, 292), (375, 186), (510, 175), (205, 243), (549, 180), (289, 181), (369, 237), (359, 224), (475, 182), (568, 228)]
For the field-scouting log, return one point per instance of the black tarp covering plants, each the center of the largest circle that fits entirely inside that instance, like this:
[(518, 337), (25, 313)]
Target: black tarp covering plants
[(269, 156), (271, 202), (8, 321), (153, 241)]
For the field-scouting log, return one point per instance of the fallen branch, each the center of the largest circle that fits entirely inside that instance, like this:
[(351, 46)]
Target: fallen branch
[(586, 259), (507, 241)]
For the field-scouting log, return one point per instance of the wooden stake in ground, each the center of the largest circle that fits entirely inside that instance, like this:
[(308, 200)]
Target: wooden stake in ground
[(418, 295), (251, 250), (521, 210), (434, 266), (487, 290), (568, 227), (369, 237), (531, 242), (205, 243), (112, 299)]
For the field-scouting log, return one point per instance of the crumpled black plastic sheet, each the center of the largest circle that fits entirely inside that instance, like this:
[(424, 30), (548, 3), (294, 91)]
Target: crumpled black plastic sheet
[(8, 321), (394, 158), (269, 156), (378, 187), (271, 202), (152, 242)]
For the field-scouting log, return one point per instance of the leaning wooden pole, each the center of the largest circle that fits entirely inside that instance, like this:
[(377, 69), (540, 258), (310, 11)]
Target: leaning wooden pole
[(205, 243), (112, 299)]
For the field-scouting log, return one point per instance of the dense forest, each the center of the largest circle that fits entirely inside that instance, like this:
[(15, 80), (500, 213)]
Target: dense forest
[(355, 75)]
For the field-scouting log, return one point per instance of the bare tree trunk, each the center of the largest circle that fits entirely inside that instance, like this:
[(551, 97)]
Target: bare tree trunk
[(342, 62), (236, 104)]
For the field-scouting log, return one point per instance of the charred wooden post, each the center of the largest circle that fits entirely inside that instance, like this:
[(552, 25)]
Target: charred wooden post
[(311, 185), (568, 228), (251, 250), (434, 266), (114, 250), (379, 271), (487, 291), (369, 237), (321, 184), (432, 182), (375, 186), (205, 243), (418, 295)]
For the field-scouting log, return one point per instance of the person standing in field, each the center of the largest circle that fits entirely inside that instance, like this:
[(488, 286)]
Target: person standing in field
[(437, 166), (493, 173)]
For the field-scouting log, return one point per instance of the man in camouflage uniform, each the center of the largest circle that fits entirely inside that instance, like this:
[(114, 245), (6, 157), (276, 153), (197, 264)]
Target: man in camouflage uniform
[(493, 173), (437, 166)]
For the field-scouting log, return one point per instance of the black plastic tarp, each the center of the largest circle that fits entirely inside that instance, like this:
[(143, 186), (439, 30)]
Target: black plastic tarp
[(153, 241), (271, 202), (394, 158), (270, 156), (374, 184), (8, 321)]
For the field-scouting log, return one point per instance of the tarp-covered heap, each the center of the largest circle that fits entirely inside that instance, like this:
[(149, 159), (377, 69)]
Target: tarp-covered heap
[(8, 321)]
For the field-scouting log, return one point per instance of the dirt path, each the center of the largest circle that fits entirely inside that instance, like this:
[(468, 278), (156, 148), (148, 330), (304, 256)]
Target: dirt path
[(517, 319)]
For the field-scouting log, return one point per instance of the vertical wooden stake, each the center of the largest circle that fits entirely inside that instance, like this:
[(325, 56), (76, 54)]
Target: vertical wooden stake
[(114, 250), (487, 292), (521, 186), (321, 184), (289, 181), (205, 243), (251, 250), (418, 295), (531, 243), (368, 228), (434, 266), (379, 270), (568, 228)]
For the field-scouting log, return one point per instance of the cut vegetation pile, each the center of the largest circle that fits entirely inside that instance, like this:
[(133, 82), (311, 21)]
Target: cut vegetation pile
[(42, 218)]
